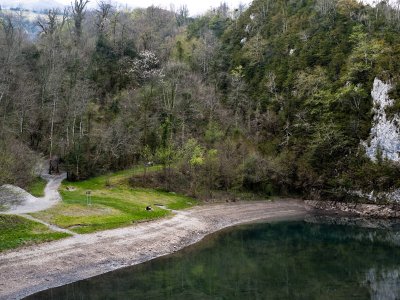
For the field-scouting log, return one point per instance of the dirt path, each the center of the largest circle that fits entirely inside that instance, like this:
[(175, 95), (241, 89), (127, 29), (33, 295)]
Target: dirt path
[(51, 226), (35, 268), (32, 204)]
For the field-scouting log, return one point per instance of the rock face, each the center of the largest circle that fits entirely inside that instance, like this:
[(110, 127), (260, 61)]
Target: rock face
[(377, 197), (357, 209), (385, 133)]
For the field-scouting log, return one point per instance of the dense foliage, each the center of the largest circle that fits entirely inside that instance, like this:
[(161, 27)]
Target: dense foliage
[(272, 99), (307, 68)]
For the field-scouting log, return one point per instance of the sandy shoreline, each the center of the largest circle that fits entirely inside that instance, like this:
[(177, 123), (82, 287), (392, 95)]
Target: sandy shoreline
[(32, 269)]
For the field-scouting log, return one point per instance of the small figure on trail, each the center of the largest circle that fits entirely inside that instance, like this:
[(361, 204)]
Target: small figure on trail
[(148, 208), (53, 165)]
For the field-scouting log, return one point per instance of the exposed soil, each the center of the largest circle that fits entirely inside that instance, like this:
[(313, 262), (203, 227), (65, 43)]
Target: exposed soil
[(35, 268)]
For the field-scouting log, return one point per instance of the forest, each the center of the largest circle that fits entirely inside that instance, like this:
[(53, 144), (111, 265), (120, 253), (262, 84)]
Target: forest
[(272, 99)]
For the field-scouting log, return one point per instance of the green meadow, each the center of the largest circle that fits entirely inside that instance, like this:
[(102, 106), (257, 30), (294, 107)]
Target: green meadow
[(107, 202)]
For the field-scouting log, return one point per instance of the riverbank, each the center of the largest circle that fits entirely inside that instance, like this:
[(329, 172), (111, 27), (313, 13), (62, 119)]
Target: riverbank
[(357, 209), (35, 268)]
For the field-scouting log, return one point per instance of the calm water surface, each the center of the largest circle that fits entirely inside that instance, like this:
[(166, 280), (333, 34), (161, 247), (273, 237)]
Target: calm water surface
[(289, 260)]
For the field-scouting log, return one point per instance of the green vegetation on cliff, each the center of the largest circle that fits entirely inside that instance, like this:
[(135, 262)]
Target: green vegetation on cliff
[(305, 71)]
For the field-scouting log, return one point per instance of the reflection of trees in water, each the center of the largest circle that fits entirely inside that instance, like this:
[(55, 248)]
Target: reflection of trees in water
[(391, 238), (384, 284), (282, 260), (385, 231)]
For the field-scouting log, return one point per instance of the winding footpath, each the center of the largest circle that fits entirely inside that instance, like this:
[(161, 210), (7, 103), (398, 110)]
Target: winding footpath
[(35, 268), (51, 197), (32, 204)]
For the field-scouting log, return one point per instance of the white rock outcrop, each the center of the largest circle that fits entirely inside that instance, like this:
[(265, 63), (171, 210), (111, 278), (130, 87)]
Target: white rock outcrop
[(385, 132)]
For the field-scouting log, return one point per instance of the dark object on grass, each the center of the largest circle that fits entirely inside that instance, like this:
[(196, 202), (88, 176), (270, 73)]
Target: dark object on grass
[(148, 208)]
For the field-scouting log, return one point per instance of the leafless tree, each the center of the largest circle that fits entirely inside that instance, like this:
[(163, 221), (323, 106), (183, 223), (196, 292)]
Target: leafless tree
[(103, 13), (182, 15), (326, 7), (78, 14)]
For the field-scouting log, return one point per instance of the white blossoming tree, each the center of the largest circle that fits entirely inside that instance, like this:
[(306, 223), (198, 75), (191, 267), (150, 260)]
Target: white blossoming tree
[(146, 67)]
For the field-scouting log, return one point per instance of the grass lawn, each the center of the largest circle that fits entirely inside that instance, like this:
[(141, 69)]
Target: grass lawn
[(17, 231), (113, 203), (36, 188)]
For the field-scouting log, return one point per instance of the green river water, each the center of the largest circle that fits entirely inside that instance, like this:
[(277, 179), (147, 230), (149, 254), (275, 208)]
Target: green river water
[(285, 260)]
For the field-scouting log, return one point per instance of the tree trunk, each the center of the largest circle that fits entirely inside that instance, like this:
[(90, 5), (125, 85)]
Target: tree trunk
[(52, 127)]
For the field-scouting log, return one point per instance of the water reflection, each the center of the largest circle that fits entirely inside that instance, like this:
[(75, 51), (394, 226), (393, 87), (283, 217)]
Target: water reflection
[(384, 284), (292, 260)]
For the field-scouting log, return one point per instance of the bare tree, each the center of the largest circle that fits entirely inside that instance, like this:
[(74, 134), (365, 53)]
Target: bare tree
[(182, 15), (103, 13), (326, 7), (78, 14), (49, 25), (7, 25)]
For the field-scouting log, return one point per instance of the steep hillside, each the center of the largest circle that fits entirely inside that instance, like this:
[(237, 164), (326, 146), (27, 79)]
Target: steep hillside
[(308, 68), (294, 97)]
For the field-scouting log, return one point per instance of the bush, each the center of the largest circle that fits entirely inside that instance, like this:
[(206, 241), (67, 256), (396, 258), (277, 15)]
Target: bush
[(17, 163)]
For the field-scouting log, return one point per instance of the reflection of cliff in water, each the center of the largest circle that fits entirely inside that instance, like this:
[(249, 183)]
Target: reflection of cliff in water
[(386, 231), (383, 284)]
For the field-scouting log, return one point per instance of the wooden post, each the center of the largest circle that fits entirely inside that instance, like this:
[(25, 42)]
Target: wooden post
[(88, 198)]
